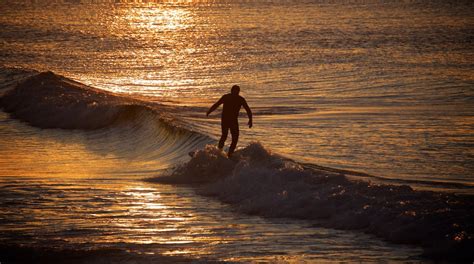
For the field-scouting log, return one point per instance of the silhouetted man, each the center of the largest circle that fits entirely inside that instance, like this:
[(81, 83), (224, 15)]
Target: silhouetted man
[(229, 120)]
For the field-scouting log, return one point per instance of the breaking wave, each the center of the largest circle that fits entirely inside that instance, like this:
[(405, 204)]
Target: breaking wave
[(255, 180), (259, 182)]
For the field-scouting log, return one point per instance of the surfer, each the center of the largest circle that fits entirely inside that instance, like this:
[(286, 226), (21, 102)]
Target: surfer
[(229, 119)]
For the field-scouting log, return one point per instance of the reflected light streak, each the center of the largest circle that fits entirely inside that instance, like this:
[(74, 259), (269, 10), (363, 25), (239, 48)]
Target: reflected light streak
[(158, 19), (164, 30)]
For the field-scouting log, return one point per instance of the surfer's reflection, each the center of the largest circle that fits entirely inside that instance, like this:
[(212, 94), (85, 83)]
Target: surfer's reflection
[(230, 114)]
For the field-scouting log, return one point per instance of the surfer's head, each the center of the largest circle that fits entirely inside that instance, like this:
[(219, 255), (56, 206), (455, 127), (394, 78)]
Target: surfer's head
[(235, 90)]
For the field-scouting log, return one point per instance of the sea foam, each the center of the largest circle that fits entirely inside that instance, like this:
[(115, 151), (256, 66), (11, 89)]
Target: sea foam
[(259, 182)]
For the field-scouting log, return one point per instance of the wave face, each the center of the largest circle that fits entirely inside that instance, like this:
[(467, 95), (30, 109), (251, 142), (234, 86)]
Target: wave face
[(114, 128), (259, 182)]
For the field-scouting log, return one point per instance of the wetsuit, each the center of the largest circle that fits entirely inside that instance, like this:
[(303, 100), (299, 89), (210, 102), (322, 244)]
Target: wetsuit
[(229, 119)]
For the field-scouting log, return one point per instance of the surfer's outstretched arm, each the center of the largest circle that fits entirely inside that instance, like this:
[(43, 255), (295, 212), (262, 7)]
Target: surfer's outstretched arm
[(249, 113), (214, 106)]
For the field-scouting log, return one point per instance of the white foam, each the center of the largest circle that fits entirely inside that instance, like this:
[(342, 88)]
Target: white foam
[(259, 182)]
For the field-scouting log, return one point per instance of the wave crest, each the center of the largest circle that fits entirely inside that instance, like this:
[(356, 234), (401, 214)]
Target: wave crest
[(47, 100)]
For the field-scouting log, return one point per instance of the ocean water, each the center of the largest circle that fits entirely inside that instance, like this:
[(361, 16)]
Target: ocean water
[(384, 89)]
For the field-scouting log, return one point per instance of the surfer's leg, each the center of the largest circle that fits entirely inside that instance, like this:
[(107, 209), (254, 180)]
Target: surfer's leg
[(225, 131), (234, 131)]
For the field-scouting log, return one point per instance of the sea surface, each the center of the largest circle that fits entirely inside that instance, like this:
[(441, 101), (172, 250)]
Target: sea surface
[(385, 90)]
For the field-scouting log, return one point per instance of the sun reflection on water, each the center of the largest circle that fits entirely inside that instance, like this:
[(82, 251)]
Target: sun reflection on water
[(161, 50), (157, 40), (158, 19)]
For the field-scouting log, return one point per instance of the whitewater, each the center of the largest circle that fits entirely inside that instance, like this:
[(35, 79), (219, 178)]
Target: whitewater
[(361, 148)]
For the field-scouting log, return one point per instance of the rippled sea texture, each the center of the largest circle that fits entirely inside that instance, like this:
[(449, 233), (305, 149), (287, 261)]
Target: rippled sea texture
[(81, 195), (381, 88), (169, 221)]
